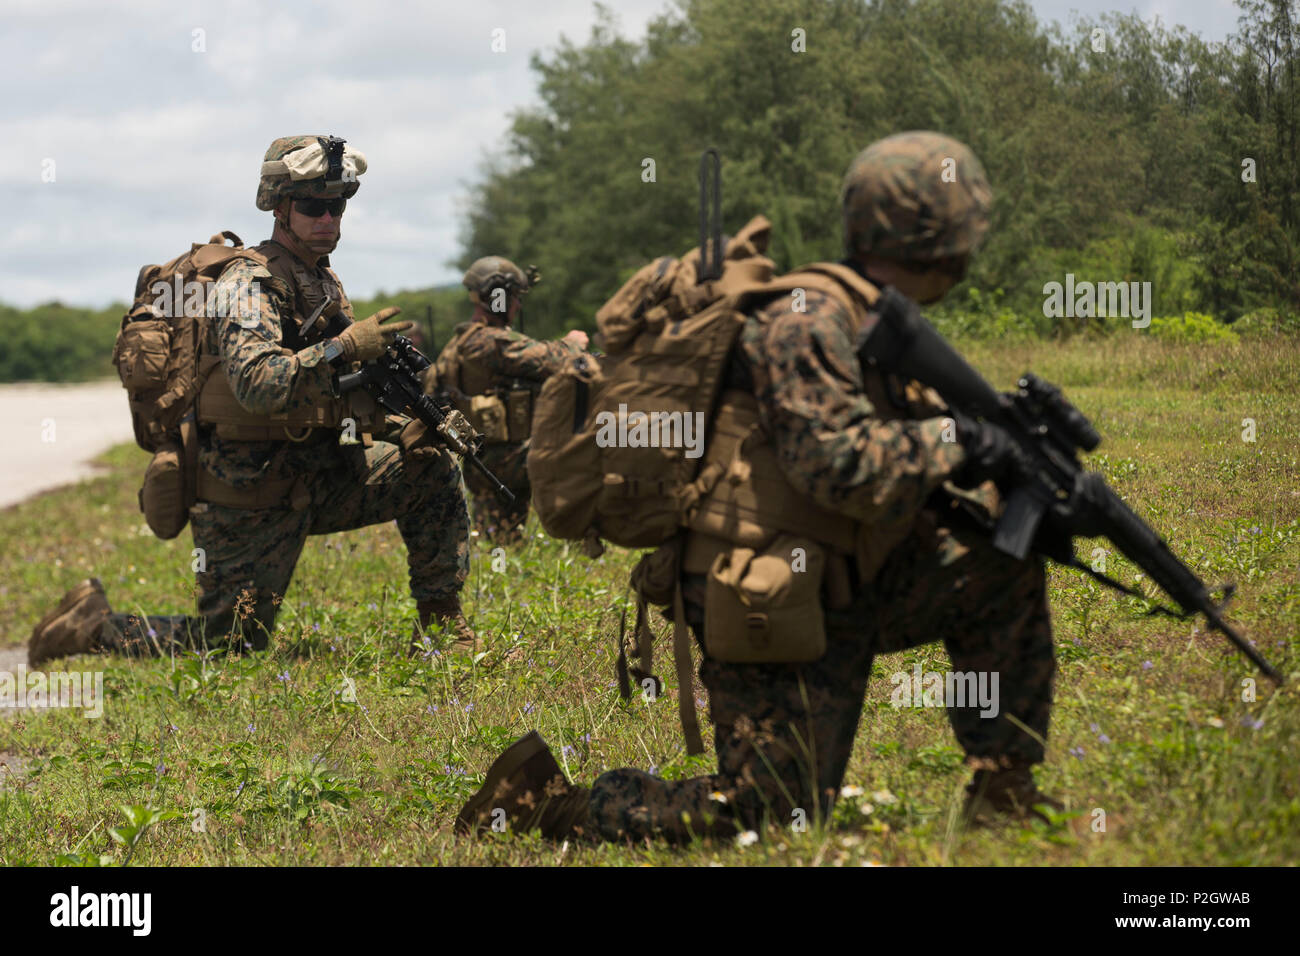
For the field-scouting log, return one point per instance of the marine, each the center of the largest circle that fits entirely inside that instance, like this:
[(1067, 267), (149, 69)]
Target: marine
[(493, 372), (883, 480), (274, 465)]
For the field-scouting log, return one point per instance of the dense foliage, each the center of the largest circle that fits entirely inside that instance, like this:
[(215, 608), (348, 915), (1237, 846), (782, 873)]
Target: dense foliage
[(1117, 151)]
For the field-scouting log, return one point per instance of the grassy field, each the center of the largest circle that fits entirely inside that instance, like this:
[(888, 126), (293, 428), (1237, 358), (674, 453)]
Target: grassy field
[(1150, 724)]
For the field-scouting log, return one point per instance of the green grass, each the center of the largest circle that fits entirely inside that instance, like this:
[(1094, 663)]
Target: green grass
[(288, 771)]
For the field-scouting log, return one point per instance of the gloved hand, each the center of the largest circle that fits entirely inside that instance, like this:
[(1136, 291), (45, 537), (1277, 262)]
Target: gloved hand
[(415, 442), (991, 454), (577, 338), (369, 338)]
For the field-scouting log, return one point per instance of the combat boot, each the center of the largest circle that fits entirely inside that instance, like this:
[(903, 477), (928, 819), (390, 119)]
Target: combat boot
[(526, 787), (1006, 792), (71, 628), (445, 613)]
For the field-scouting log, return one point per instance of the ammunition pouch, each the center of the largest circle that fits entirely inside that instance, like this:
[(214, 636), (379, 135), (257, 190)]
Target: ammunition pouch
[(519, 418), (765, 607), (487, 414)]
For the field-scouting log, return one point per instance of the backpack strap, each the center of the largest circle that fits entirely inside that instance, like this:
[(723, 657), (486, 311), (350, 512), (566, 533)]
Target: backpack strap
[(656, 579), (853, 292), (685, 670)]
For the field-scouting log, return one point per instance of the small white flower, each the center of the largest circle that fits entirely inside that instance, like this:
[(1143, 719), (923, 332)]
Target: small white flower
[(747, 838), (1215, 722), (873, 863), (884, 796), (866, 809), (850, 791), (718, 796)]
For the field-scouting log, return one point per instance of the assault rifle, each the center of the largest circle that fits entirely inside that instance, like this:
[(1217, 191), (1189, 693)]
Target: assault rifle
[(1057, 500), (395, 379)]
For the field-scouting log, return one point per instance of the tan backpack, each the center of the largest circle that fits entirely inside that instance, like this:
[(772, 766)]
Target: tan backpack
[(618, 441), (616, 445), (157, 359)]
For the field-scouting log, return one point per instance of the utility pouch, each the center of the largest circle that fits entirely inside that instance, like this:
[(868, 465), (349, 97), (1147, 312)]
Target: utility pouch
[(764, 607), (519, 405), (163, 499), (141, 355), (488, 416)]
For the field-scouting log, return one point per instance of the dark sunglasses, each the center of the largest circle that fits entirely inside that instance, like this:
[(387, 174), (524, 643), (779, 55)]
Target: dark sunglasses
[(315, 208)]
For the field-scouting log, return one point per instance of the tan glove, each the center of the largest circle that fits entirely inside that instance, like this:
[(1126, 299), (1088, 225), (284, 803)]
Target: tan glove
[(369, 339), (414, 442)]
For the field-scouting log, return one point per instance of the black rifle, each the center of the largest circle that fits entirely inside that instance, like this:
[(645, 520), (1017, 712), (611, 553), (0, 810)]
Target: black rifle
[(395, 381), (1058, 500)]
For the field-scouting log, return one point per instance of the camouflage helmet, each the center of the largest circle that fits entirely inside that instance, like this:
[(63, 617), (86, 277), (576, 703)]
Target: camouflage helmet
[(494, 272), (300, 167), (916, 196)]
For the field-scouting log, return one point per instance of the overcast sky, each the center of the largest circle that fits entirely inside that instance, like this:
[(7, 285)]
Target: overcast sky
[(155, 144)]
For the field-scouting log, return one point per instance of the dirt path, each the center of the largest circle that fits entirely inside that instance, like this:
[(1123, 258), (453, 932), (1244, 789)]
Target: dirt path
[(53, 433), (54, 430)]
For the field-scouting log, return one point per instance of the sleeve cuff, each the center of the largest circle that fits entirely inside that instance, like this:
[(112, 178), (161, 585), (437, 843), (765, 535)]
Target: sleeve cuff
[(313, 355)]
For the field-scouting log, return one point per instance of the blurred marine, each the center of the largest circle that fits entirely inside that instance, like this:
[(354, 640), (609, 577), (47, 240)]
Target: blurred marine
[(492, 373)]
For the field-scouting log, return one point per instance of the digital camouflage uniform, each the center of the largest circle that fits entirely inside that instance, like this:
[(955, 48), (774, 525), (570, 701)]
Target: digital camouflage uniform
[(507, 358), (250, 553), (784, 732)]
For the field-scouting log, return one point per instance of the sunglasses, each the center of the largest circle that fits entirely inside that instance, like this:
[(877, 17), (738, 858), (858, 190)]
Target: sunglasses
[(315, 208)]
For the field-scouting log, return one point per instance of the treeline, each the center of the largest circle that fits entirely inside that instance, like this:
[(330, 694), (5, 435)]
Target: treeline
[(1118, 150), (59, 343)]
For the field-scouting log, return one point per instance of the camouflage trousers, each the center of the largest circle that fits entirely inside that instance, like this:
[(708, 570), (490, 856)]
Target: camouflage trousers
[(250, 555), (493, 520), (784, 733)]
